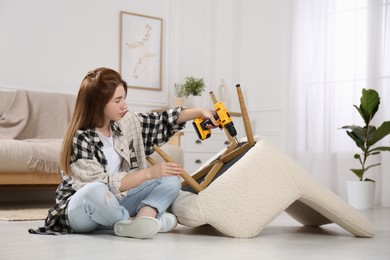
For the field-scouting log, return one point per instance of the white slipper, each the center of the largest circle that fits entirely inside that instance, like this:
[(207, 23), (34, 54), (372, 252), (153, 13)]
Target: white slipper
[(168, 222), (141, 227)]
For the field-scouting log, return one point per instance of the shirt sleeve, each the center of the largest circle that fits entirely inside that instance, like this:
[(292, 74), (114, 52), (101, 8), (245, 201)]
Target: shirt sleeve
[(158, 127)]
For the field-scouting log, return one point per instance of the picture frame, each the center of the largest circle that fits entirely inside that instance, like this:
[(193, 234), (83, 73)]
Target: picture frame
[(141, 51)]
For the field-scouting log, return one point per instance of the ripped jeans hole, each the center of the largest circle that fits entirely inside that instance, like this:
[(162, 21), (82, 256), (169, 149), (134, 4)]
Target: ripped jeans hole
[(107, 196)]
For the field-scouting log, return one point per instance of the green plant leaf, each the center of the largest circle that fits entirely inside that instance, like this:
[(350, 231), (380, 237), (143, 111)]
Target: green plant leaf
[(359, 142), (193, 86), (179, 90), (357, 134), (370, 133), (373, 153), (357, 156), (369, 104), (379, 133), (379, 149), (360, 112), (358, 172), (367, 179), (372, 165)]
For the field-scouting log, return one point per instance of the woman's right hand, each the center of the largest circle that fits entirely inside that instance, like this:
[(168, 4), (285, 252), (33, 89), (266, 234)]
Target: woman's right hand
[(154, 172), (164, 169)]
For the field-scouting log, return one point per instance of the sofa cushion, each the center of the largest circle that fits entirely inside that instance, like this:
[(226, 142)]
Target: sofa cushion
[(30, 155)]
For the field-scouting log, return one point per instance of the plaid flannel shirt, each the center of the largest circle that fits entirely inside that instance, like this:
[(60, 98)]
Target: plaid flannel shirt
[(134, 135)]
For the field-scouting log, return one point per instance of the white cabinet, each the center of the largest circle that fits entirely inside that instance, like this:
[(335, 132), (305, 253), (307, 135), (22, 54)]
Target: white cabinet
[(197, 152)]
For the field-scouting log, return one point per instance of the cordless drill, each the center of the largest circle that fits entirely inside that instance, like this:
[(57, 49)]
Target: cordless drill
[(223, 119)]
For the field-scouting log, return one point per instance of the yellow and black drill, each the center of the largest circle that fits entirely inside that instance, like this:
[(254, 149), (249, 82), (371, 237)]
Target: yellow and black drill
[(223, 119)]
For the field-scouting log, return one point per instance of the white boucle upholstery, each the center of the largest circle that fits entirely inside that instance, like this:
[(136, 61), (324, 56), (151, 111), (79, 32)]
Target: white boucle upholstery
[(257, 189)]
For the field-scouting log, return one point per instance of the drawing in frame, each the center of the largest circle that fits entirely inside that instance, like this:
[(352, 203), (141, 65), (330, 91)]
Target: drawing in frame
[(141, 51)]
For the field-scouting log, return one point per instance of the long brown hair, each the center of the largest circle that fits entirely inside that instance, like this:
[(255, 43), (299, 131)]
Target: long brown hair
[(96, 90)]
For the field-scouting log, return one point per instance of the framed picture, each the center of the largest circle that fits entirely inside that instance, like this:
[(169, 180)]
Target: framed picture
[(141, 51)]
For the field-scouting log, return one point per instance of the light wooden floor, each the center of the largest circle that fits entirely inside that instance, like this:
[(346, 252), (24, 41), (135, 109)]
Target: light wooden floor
[(284, 238)]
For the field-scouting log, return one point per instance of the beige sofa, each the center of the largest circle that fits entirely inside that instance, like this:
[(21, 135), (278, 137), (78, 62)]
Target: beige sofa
[(32, 124)]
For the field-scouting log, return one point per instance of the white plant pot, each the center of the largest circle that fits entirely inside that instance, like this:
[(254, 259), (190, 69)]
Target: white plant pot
[(193, 101), (361, 194), (178, 101)]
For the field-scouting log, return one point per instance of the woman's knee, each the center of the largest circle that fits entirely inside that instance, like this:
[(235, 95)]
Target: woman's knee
[(172, 182), (95, 192), (172, 186), (95, 187), (94, 204)]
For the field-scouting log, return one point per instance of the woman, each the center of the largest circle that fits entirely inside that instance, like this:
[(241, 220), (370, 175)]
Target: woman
[(107, 183)]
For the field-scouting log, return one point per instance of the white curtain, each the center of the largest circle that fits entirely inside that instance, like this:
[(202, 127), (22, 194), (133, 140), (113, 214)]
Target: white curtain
[(339, 47)]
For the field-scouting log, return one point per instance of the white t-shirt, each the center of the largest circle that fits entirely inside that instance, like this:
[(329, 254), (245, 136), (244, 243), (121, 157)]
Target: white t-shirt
[(113, 158)]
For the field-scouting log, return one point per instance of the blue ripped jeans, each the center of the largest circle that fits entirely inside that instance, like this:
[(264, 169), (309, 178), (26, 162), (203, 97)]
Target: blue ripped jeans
[(95, 207)]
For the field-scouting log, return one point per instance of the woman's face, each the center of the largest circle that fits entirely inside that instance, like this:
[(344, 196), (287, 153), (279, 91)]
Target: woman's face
[(116, 107)]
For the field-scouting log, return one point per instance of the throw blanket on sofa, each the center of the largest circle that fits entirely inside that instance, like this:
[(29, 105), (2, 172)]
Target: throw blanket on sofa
[(38, 115)]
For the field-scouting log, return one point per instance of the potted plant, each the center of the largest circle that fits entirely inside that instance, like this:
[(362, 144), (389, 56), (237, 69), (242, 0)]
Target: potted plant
[(179, 98), (193, 88), (365, 137)]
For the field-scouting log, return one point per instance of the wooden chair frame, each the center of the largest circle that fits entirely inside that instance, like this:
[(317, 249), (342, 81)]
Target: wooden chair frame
[(233, 150)]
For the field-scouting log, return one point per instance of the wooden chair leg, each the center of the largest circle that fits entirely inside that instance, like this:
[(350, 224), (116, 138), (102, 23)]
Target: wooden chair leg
[(199, 174), (196, 186), (150, 160), (245, 117), (204, 171), (210, 176)]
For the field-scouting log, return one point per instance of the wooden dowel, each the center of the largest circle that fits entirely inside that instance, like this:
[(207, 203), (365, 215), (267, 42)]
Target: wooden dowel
[(213, 98), (245, 117), (185, 175), (209, 177), (150, 160)]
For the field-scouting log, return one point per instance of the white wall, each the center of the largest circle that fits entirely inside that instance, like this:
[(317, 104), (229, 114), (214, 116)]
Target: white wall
[(243, 42), (51, 44)]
